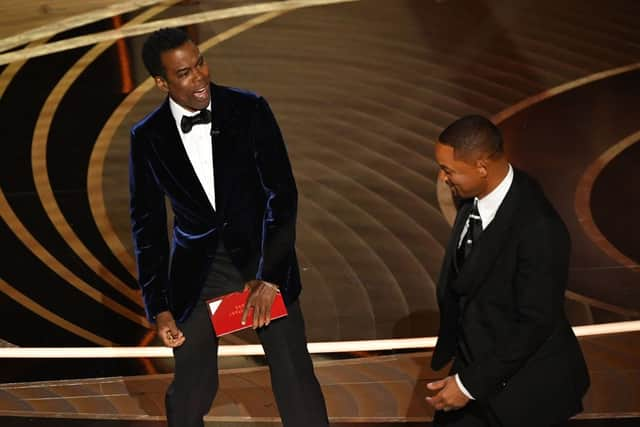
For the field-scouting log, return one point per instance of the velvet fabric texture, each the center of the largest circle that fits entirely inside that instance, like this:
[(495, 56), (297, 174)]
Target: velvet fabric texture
[(251, 170), (502, 314)]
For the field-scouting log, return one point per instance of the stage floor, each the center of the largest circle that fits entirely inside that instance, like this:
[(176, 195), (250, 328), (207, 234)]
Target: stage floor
[(366, 390)]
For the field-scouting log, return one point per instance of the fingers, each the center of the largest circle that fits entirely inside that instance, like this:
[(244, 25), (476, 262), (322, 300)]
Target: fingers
[(171, 336), (437, 385), (448, 398), (174, 338), (261, 299), (167, 330), (262, 307), (245, 312), (439, 403), (437, 400), (257, 316), (266, 319)]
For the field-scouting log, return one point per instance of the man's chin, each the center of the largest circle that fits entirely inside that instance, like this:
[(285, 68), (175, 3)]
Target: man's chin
[(200, 103)]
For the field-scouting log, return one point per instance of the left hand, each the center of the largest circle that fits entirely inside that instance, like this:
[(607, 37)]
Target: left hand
[(449, 396), (261, 299)]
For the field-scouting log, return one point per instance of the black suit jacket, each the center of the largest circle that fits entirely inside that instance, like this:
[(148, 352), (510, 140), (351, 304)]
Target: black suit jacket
[(505, 309), (256, 203)]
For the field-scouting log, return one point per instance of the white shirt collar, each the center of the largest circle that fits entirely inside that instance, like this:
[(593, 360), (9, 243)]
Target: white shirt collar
[(489, 204)]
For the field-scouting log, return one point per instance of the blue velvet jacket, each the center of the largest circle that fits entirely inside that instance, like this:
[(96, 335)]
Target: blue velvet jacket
[(256, 203)]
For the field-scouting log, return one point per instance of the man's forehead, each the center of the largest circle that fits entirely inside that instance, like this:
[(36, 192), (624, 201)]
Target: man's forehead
[(183, 53)]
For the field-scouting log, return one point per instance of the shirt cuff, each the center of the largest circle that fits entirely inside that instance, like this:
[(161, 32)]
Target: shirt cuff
[(462, 389)]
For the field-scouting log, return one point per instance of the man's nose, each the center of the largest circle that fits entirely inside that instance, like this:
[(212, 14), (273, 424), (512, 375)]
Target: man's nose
[(198, 75)]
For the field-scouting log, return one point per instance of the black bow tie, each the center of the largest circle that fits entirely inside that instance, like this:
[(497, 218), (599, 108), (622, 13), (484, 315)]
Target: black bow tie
[(187, 122)]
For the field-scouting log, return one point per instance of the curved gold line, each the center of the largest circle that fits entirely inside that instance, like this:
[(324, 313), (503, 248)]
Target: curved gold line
[(52, 262), (582, 202), (101, 147), (75, 21), (21, 232), (602, 305), (36, 308), (446, 205), (140, 29), (546, 94), (40, 168)]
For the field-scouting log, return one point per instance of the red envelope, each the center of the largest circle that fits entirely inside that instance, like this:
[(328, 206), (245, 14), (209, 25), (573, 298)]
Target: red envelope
[(226, 312)]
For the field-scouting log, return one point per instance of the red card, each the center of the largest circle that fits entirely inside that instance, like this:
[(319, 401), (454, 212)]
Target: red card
[(226, 312)]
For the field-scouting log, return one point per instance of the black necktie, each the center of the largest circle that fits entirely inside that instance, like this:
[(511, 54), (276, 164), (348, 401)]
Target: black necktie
[(471, 236), (187, 122)]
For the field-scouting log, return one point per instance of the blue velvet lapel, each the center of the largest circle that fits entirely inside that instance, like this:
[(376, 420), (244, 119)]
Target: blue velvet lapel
[(490, 244), (228, 120), (170, 150), (224, 142)]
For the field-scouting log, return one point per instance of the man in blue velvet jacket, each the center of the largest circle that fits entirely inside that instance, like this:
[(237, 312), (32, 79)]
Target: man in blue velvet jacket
[(218, 155)]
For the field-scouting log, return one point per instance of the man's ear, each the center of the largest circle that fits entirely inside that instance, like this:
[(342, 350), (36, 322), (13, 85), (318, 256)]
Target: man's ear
[(161, 83), (482, 165)]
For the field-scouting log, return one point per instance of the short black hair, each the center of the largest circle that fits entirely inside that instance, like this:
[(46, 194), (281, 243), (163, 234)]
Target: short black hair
[(159, 42), (472, 135)]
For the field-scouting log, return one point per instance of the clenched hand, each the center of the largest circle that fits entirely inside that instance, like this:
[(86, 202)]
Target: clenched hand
[(168, 331), (449, 396)]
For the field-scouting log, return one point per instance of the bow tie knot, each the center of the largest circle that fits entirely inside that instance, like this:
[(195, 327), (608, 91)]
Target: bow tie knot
[(187, 122)]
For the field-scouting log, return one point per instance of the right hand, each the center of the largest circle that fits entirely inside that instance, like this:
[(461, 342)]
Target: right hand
[(168, 331), (261, 299)]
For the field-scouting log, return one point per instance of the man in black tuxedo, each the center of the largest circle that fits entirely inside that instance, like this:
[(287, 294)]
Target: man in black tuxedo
[(516, 361), (218, 155)]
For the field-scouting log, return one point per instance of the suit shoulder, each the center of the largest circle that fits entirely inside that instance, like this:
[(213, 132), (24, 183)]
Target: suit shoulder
[(530, 189), (535, 206), (242, 93), (240, 97), (148, 122)]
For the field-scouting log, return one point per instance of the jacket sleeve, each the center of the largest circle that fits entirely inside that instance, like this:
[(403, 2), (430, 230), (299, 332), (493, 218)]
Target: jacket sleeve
[(539, 284), (149, 229), (279, 220)]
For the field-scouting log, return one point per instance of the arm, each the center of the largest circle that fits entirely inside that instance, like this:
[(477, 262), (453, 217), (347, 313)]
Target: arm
[(279, 220), (149, 229), (539, 282), (276, 176)]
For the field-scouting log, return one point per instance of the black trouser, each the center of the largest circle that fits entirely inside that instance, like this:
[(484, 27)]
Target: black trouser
[(296, 389), (472, 415)]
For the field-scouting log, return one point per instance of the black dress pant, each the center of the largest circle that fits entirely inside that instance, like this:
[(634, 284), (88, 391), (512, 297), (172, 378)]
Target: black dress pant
[(472, 415), (296, 389)]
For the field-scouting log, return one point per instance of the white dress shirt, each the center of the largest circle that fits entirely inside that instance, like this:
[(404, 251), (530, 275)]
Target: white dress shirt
[(199, 147), (487, 207)]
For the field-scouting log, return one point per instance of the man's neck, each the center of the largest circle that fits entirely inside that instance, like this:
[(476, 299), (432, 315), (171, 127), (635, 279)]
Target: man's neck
[(495, 176)]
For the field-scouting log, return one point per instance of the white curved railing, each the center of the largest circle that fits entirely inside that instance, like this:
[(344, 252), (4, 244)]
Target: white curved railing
[(256, 349)]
